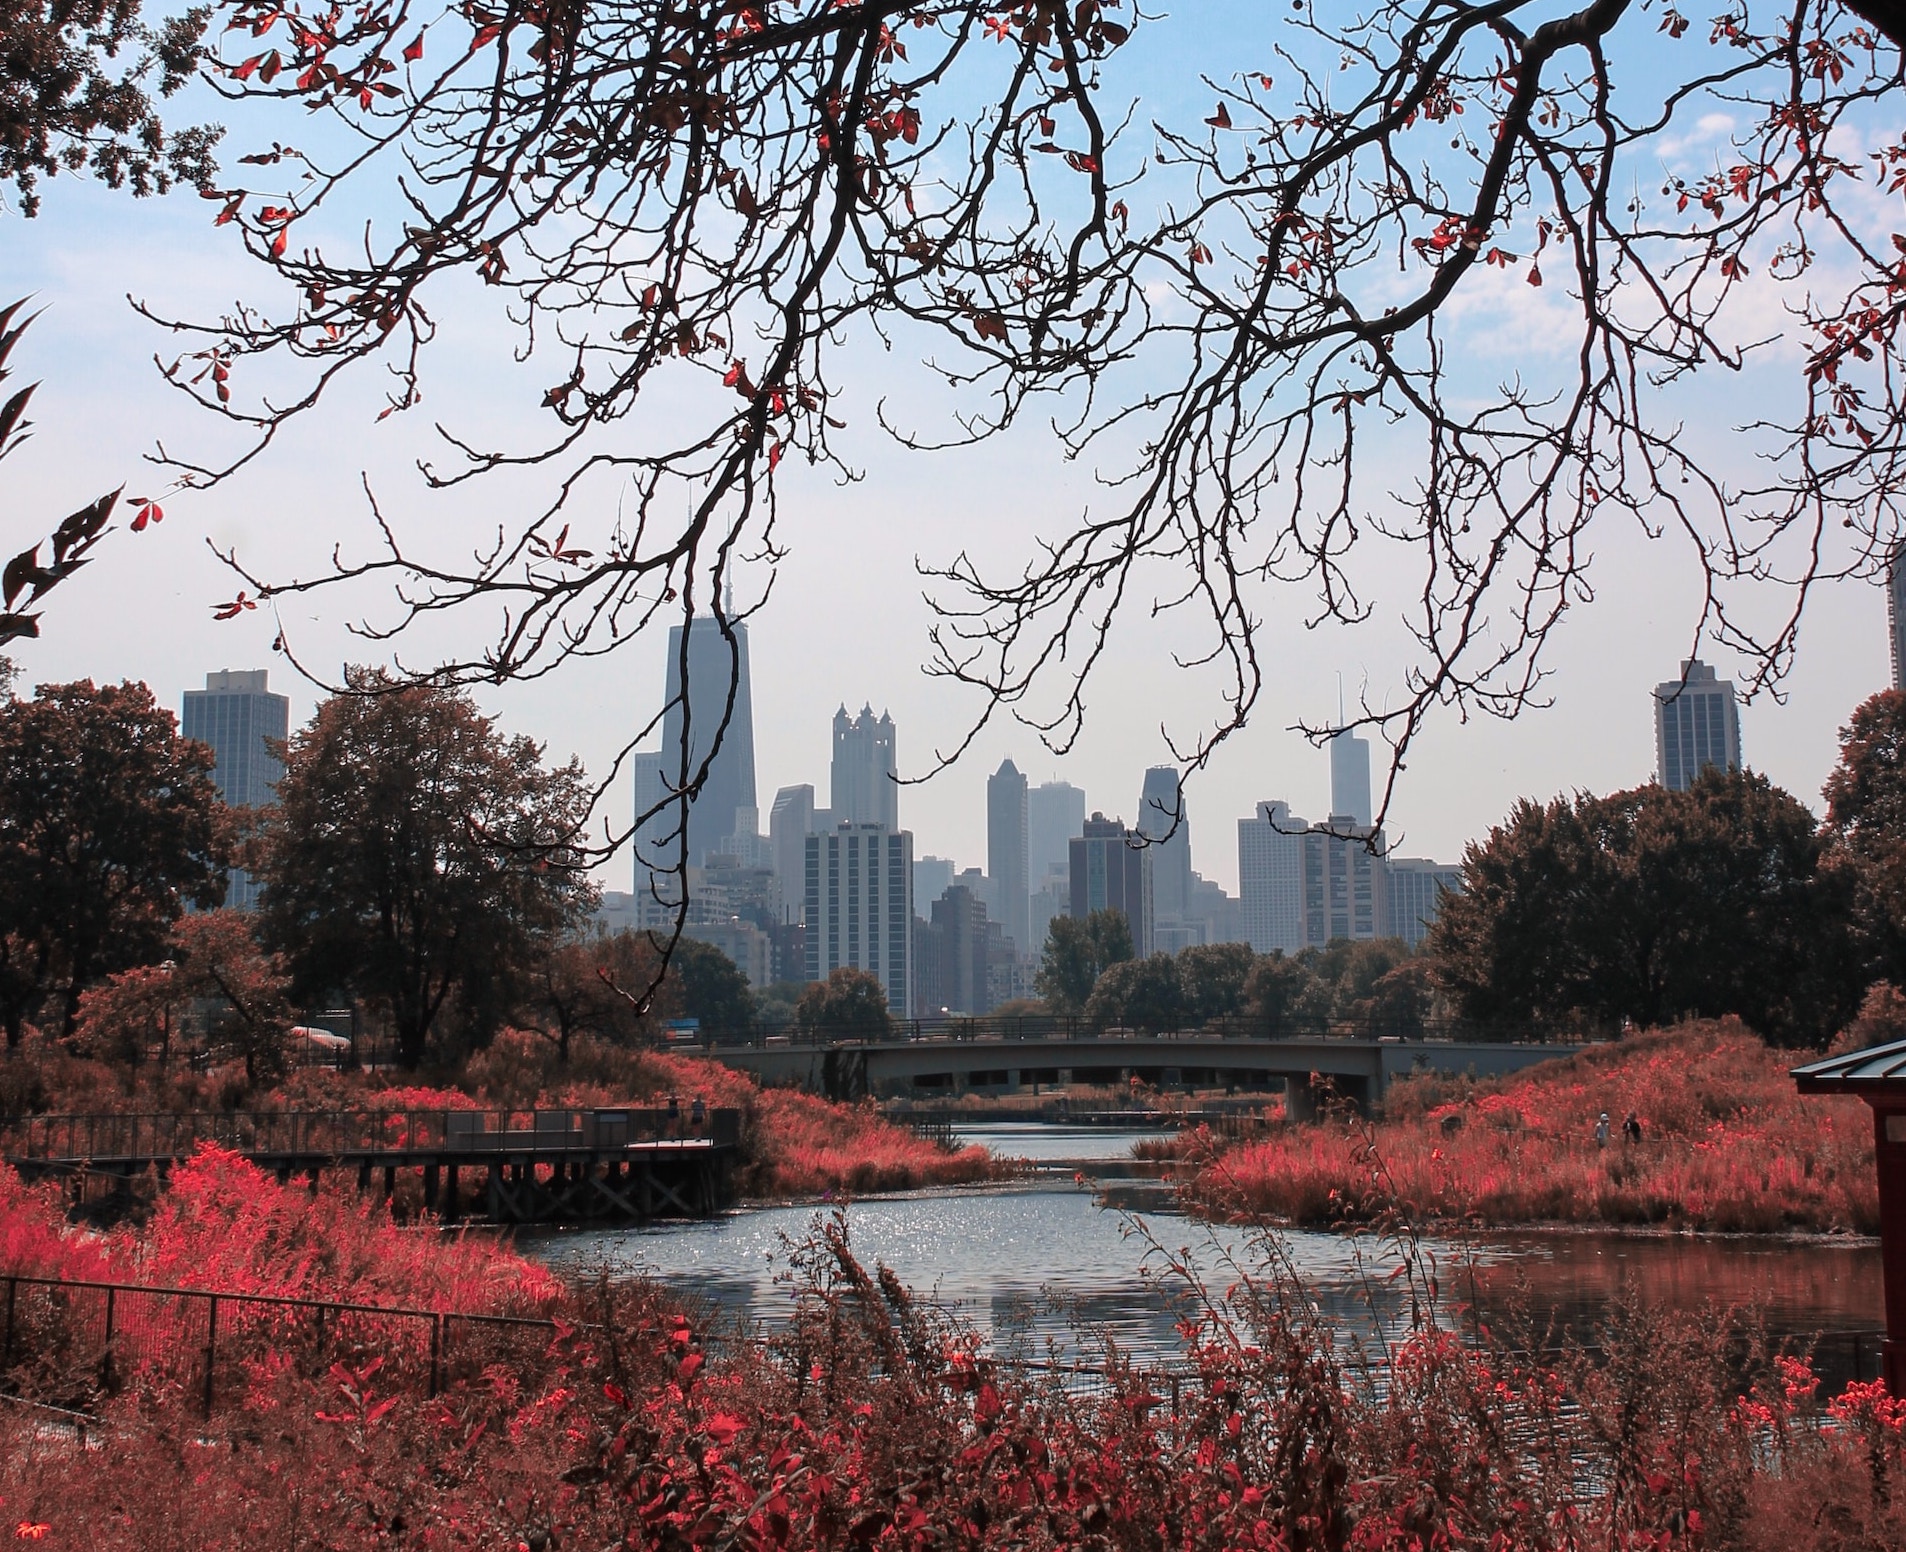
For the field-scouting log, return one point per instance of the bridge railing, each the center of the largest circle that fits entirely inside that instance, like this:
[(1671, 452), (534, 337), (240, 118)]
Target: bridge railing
[(360, 1134), (1049, 1027)]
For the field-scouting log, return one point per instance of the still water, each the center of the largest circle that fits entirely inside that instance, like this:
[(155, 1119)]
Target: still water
[(1050, 1263)]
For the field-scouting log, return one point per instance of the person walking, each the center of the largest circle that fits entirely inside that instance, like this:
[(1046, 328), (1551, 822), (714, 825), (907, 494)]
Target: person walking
[(1601, 1131), (1631, 1128)]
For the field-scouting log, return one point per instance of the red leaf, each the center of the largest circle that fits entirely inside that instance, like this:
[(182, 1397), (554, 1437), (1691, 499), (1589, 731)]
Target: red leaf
[(722, 1427), (278, 244), (415, 48), (1221, 119), (691, 1366), (1535, 275)]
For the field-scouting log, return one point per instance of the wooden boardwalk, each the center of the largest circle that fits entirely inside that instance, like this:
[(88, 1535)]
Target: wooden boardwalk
[(606, 1165)]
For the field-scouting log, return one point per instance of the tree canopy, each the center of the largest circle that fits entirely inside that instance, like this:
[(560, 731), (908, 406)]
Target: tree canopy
[(419, 858), (711, 987), (1078, 951), (1866, 817), (849, 1005), (109, 826), (1652, 905)]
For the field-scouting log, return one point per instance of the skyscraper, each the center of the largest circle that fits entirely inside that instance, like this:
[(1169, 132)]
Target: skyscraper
[(863, 787), (1417, 887), (1055, 813), (656, 846), (1110, 873), (1697, 724), (1163, 821), (790, 823), (1350, 778), (860, 907), (1346, 883), (235, 713), (1271, 878), (714, 662), (1007, 855)]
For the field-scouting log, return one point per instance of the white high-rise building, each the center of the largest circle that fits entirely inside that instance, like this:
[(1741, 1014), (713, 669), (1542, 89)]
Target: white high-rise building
[(1163, 821), (1350, 778), (1697, 724), (1055, 813), (1007, 857), (863, 788), (860, 907), (1417, 887), (1271, 879)]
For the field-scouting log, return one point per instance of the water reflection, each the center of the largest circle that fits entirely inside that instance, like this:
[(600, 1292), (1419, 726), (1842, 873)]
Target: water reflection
[(1043, 1266)]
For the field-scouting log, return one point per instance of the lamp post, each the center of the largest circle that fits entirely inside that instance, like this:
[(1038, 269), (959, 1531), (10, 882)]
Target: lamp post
[(1878, 1076)]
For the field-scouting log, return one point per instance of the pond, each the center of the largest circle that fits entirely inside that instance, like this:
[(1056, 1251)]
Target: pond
[(1052, 1263)]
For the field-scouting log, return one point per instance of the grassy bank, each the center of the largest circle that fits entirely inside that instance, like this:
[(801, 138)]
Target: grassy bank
[(793, 1145), (871, 1421), (1727, 1146)]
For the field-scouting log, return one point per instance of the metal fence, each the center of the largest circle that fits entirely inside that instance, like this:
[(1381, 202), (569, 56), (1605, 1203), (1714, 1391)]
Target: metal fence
[(357, 1134), (68, 1342)]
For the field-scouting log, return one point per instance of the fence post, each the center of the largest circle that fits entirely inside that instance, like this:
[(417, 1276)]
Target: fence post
[(436, 1354), (106, 1362), (211, 1347)]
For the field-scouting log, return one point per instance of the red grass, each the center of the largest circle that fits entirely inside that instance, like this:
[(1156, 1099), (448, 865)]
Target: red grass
[(875, 1423), (1728, 1145), (226, 1226)]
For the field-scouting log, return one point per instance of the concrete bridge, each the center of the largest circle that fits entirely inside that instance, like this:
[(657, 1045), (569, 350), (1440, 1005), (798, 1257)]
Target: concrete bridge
[(927, 1062)]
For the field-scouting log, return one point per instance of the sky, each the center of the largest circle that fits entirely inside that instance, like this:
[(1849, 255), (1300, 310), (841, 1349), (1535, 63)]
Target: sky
[(845, 622)]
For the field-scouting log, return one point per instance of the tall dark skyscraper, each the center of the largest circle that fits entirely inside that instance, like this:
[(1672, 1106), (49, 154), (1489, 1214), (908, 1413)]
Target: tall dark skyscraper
[(712, 665), (235, 713), (1007, 861), (1159, 804)]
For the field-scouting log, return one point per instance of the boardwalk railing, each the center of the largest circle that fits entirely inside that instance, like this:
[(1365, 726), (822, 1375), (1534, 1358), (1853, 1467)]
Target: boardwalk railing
[(357, 1135), (67, 1342)]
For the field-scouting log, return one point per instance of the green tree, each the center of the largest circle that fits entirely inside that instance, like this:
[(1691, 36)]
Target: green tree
[(1143, 994), (419, 858), (1078, 952), (712, 987), (1650, 905), (1276, 988), (1213, 976), (594, 986), (1866, 819), (849, 1005), (109, 824)]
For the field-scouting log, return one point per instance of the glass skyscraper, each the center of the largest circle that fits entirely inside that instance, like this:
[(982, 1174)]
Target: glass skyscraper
[(235, 714)]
